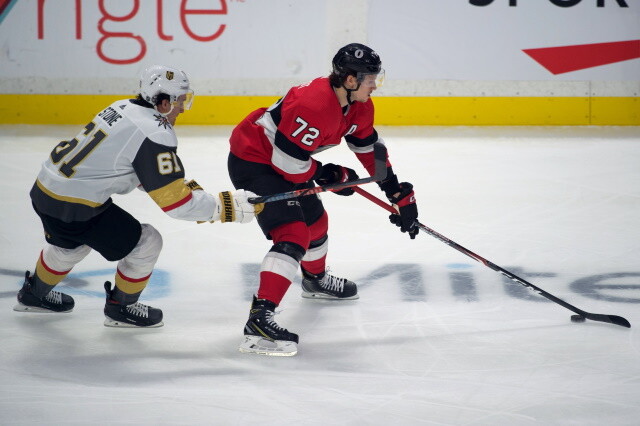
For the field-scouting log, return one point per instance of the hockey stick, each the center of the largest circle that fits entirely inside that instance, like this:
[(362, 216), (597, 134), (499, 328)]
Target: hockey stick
[(380, 173), (613, 319)]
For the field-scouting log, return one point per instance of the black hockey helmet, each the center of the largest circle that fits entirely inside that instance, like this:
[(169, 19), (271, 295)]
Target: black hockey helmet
[(356, 59)]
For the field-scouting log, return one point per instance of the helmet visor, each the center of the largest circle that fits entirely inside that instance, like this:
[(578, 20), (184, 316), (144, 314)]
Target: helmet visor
[(371, 80), (186, 100)]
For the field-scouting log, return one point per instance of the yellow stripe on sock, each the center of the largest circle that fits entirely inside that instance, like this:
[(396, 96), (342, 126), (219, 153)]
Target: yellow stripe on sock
[(130, 286), (47, 276)]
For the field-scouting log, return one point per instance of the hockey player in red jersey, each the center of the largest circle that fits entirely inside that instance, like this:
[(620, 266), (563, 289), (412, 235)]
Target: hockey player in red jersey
[(271, 152), (129, 144)]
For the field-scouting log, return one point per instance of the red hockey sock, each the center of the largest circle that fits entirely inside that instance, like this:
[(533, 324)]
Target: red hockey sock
[(273, 287)]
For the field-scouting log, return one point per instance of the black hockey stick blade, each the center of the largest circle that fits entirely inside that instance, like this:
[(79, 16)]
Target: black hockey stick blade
[(380, 173), (611, 319)]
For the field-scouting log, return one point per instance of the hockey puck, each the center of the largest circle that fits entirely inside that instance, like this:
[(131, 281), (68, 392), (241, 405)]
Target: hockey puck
[(577, 318)]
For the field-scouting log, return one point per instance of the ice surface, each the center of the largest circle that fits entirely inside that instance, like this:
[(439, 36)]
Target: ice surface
[(435, 338)]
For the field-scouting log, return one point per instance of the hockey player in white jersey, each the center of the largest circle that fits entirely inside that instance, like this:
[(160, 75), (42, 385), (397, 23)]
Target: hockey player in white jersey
[(129, 144)]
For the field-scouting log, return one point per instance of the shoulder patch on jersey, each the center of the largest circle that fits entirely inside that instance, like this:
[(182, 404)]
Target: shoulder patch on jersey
[(162, 121)]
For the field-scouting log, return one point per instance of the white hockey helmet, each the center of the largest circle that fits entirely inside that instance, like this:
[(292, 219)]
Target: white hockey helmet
[(158, 79)]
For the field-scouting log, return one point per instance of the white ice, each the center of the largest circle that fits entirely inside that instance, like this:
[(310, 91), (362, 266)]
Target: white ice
[(436, 338)]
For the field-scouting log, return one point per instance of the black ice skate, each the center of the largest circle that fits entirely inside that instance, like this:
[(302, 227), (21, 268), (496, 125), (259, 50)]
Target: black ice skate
[(133, 315), (54, 301), (262, 335), (326, 286)]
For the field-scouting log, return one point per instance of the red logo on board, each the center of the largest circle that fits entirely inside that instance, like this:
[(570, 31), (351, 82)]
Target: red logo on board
[(563, 59)]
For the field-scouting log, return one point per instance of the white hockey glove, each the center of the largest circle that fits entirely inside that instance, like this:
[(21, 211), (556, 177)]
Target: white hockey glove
[(235, 207)]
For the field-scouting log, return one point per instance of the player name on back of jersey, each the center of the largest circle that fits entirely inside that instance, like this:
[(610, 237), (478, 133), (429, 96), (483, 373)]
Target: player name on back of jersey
[(110, 116)]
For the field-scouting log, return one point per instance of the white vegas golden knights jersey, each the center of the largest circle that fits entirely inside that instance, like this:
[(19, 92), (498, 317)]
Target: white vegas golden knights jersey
[(125, 146)]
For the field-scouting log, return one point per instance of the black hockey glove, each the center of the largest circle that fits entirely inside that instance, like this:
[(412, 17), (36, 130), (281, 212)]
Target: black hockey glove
[(333, 173), (405, 202)]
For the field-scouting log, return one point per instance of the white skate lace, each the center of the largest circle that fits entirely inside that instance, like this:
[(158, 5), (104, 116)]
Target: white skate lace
[(54, 297), (138, 309), (332, 283)]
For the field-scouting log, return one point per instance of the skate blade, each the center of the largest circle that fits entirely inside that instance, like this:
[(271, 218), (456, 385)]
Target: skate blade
[(262, 346), (323, 296), (34, 309), (108, 322)]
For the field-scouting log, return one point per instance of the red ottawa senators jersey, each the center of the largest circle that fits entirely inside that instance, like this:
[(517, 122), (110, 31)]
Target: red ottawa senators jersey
[(307, 120)]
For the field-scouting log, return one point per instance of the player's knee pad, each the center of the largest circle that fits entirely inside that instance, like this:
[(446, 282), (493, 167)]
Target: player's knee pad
[(290, 249), (145, 254), (290, 242), (62, 259), (317, 249), (283, 259)]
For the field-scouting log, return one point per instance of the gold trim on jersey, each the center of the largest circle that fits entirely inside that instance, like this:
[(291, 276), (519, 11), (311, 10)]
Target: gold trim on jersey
[(172, 195), (65, 198)]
